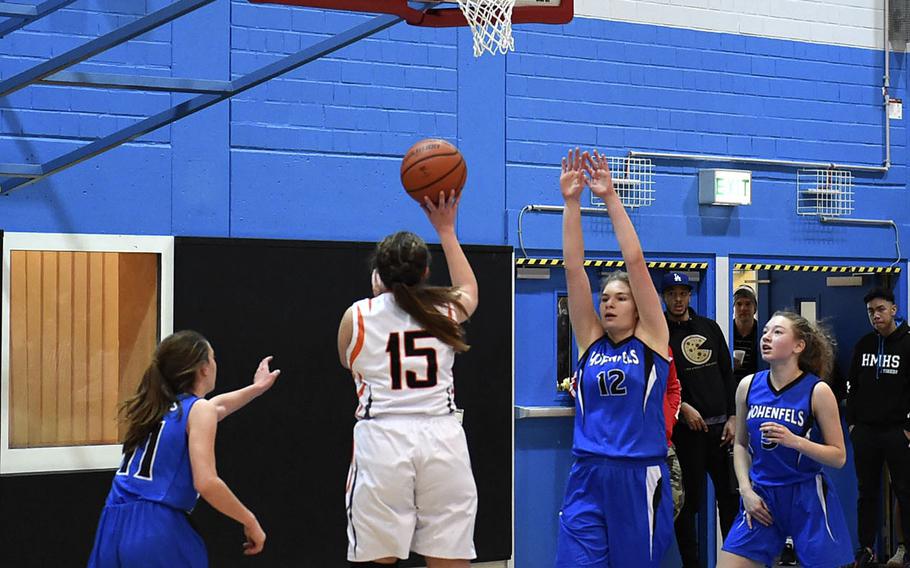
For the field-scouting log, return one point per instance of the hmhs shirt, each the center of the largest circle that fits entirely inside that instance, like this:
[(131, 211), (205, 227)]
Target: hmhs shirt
[(878, 384), (398, 367)]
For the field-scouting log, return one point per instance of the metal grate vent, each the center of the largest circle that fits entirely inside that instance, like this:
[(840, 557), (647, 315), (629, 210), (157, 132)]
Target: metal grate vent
[(827, 193), (633, 179), (899, 23)]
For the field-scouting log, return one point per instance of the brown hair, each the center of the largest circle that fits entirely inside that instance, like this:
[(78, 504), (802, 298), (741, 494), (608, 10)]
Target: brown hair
[(402, 260), (818, 356), (171, 373)]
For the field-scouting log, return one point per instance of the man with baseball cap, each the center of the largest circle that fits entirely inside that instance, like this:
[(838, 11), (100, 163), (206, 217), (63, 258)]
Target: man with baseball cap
[(704, 433)]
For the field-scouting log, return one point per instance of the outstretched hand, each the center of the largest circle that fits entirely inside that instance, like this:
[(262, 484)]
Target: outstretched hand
[(265, 378), (599, 178), (572, 180), (442, 214)]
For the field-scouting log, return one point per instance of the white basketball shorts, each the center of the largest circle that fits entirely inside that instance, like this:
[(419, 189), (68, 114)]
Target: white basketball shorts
[(410, 487)]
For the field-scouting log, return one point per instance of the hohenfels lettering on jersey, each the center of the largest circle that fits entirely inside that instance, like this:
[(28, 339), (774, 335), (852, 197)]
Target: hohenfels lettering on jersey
[(628, 357), (790, 415)]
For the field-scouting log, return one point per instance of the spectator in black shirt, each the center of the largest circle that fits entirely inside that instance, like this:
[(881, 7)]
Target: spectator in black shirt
[(878, 416)]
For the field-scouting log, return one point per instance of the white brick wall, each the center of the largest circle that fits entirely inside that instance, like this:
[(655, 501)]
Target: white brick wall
[(856, 23)]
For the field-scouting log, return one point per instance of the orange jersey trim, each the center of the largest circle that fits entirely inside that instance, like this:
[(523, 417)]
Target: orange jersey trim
[(359, 345)]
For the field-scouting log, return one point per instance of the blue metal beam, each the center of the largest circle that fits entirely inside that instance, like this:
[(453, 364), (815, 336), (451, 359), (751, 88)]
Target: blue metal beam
[(201, 102), (136, 82), (97, 45), (40, 10), (313, 52), (17, 10), (22, 170)]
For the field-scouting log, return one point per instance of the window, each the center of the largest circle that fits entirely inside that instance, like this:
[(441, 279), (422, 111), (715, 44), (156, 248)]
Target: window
[(82, 315)]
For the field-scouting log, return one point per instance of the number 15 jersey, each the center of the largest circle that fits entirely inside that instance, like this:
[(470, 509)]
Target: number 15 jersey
[(398, 367)]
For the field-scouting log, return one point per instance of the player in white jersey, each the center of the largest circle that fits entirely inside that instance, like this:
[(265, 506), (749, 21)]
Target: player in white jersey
[(410, 486)]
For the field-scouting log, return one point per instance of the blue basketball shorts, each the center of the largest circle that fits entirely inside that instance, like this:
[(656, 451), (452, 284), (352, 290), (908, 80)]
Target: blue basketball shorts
[(809, 511), (615, 515), (147, 535)]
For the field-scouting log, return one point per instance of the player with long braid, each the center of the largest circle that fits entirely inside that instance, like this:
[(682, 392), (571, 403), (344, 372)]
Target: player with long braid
[(410, 486)]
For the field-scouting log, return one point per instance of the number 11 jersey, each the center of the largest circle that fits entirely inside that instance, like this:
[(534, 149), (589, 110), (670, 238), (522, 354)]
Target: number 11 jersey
[(159, 469), (398, 367)]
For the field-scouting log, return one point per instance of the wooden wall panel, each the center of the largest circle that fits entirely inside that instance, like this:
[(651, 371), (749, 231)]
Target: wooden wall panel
[(83, 328), (110, 365), (65, 349), (138, 319), (32, 374), (48, 375), (80, 346), (18, 351)]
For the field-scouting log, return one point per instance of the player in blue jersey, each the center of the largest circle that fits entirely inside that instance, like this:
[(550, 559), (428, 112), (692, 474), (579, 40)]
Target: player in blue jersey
[(618, 509), (169, 456), (788, 428)]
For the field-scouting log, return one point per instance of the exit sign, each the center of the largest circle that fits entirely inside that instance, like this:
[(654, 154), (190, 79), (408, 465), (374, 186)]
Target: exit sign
[(725, 187)]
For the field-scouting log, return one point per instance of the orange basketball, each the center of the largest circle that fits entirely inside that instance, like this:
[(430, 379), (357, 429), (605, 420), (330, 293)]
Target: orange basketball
[(430, 166)]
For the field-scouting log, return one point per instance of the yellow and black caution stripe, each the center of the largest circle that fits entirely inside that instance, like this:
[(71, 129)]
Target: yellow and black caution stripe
[(820, 268), (547, 262)]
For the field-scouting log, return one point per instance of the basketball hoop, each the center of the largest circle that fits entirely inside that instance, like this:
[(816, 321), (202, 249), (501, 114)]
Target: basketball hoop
[(491, 24)]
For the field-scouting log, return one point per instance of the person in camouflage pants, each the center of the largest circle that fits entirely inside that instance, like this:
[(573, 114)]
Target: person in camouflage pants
[(676, 486)]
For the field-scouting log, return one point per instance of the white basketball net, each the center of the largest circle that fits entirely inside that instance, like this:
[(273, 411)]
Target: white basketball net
[(491, 24)]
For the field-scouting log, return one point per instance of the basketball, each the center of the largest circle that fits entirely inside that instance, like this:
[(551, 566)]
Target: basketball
[(430, 166)]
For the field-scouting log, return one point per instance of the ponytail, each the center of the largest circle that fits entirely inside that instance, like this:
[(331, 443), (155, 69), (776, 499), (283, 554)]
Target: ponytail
[(423, 304), (146, 408), (402, 261), (171, 373)]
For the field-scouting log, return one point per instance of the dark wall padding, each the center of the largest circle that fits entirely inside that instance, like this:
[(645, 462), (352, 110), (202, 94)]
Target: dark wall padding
[(50, 520), (287, 454)]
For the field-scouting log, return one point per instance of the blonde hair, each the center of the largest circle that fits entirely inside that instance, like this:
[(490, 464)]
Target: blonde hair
[(620, 275)]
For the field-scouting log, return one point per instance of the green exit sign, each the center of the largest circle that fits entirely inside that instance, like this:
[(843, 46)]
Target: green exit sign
[(725, 187)]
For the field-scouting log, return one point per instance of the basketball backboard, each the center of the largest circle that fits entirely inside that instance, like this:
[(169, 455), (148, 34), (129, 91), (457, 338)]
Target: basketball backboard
[(442, 13)]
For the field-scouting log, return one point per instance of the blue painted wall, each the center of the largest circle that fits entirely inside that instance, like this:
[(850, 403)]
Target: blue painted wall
[(315, 154)]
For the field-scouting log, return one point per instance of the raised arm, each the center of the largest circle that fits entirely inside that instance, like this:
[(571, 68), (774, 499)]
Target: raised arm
[(652, 325), (582, 315), (442, 216), (231, 402)]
